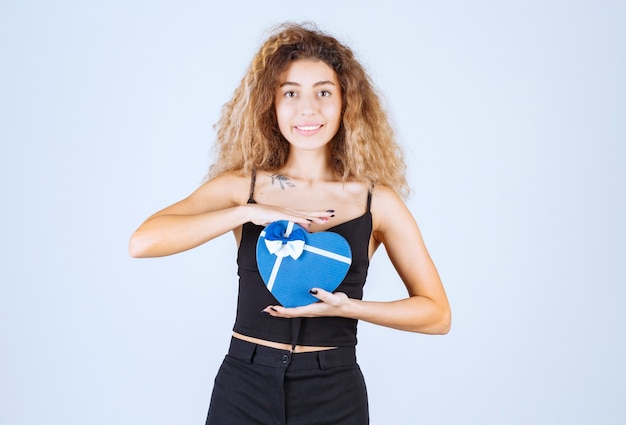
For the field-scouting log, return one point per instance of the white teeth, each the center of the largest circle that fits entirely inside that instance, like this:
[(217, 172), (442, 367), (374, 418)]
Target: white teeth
[(309, 128)]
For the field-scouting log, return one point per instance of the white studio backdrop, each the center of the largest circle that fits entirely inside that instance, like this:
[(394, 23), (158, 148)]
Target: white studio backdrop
[(513, 118)]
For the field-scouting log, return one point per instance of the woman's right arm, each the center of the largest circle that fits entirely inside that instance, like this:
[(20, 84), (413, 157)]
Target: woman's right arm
[(212, 210), (216, 207)]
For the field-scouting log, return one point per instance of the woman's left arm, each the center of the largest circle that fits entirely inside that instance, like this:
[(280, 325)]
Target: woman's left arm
[(425, 310)]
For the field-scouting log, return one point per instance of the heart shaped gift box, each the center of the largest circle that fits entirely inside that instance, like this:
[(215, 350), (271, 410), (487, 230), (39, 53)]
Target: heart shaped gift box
[(292, 261)]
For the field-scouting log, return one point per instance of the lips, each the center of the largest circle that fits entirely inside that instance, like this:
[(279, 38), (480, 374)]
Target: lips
[(308, 127)]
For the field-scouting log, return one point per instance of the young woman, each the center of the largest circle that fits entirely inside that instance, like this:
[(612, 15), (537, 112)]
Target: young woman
[(303, 139)]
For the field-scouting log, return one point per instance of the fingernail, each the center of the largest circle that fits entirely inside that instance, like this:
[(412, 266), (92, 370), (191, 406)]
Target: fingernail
[(313, 291), (266, 312)]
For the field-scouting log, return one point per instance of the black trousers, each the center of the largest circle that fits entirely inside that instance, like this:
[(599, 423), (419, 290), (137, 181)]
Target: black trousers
[(267, 386)]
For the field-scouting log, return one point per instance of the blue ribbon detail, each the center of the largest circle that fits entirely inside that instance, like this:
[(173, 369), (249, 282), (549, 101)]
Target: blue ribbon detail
[(282, 240)]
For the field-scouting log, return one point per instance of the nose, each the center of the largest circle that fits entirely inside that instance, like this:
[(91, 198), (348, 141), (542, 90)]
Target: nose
[(307, 106)]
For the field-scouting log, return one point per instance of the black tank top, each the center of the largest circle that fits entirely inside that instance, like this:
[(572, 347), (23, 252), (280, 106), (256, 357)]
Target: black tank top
[(318, 331)]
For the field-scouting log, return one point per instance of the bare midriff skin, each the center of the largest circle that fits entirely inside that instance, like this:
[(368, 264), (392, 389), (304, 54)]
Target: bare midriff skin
[(280, 345)]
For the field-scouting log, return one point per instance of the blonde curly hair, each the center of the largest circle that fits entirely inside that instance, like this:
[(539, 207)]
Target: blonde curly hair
[(248, 137)]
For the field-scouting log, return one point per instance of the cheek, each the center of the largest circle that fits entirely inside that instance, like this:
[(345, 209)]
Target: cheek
[(281, 116), (334, 112)]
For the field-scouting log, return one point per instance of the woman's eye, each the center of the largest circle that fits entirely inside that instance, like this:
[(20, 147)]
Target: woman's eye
[(290, 94), (324, 93)]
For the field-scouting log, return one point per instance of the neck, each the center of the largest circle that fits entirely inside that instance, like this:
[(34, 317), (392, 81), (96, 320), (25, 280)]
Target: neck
[(309, 165)]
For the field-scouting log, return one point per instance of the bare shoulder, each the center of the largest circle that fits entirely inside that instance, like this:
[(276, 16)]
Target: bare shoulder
[(389, 212), (220, 192), (226, 190), (385, 200)]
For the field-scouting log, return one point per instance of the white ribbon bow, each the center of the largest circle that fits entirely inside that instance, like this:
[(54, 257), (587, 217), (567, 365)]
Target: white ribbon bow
[(280, 249), (285, 246)]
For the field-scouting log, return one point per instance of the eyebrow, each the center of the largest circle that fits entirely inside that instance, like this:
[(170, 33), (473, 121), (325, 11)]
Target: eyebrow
[(319, 83)]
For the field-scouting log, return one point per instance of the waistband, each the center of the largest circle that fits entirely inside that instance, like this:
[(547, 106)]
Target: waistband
[(274, 357)]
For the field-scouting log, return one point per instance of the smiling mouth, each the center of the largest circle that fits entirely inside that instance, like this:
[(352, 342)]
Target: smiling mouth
[(309, 127)]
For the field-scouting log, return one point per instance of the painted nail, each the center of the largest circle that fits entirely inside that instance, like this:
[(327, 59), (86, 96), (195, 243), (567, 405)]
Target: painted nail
[(313, 291)]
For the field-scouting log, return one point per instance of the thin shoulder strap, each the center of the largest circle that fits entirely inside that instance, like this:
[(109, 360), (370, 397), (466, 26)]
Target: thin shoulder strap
[(252, 181), (369, 197)]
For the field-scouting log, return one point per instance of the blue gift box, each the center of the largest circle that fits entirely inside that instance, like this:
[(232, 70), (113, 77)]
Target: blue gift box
[(292, 261)]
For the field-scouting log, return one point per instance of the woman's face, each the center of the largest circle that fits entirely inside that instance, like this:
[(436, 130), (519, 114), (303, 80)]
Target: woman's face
[(308, 104)]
